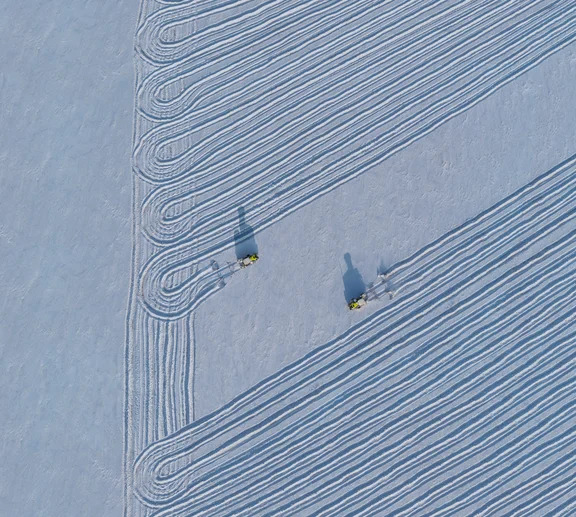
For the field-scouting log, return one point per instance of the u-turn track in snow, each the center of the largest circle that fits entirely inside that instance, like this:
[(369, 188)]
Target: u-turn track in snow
[(460, 391), (470, 374), (317, 111), (454, 400)]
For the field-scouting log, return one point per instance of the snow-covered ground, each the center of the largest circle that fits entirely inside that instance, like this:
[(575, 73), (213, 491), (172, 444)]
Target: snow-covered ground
[(339, 139), (295, 299), (66, 116)]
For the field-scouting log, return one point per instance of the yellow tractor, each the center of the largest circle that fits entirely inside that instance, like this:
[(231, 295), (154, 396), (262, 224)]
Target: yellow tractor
[(358, 303), (247, 260)]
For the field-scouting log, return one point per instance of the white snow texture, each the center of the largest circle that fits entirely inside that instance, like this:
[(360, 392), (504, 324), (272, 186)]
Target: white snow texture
[(419, 151)]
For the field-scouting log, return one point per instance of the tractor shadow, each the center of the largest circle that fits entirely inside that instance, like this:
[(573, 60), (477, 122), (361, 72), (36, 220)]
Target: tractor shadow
[(244, 241), (354, 284)]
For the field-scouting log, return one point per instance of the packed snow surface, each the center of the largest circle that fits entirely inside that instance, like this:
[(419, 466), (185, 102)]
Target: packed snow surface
[(419, 152)]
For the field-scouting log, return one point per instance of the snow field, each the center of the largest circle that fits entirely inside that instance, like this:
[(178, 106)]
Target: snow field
[(326, 416), (429, 405)]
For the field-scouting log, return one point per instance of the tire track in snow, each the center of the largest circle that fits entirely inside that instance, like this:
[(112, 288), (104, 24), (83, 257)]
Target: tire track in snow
[(217, 469), (164, 266), (262, 464), (173, 164), (540, 483), (554, 226), (211, 77), (334, 443), (408, 302), (559, 194)]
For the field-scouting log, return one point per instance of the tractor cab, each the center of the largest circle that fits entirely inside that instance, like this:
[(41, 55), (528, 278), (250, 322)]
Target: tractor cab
[(248, 260), (358, 303)]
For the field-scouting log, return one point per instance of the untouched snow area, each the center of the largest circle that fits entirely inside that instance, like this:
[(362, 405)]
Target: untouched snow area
[(66, 85)]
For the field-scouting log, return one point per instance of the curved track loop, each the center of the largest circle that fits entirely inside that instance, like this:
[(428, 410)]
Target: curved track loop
[(317, 437), (346, 445), (292, 134), (456, 398)]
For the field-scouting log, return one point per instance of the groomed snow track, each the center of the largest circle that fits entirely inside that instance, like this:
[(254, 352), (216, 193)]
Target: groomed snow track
[(454, 400), (311, 115)]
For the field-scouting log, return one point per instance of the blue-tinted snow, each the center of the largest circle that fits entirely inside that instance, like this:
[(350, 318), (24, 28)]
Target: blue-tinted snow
[(451, 399), (65, 260), (294, 300), (66, 84)]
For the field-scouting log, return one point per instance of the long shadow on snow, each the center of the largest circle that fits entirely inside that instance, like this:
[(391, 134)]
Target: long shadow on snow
[(244, 240), (354, 284)]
